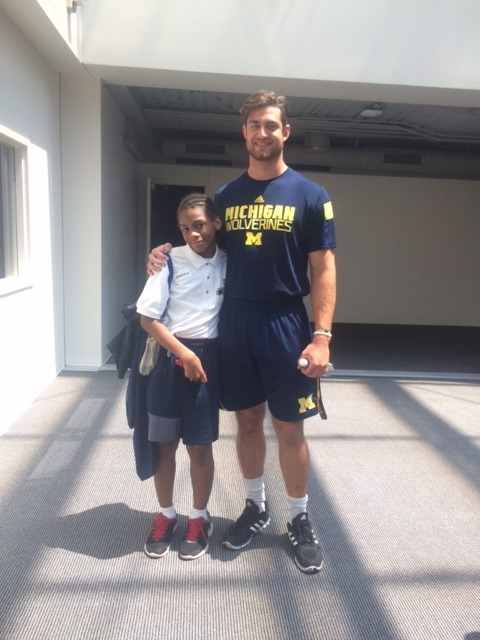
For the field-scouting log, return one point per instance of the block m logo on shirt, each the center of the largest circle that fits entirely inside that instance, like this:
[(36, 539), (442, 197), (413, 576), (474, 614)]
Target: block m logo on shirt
[(253, 239)]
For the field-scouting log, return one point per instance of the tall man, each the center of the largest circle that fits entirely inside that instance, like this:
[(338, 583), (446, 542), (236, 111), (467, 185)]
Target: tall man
[(277, 224)]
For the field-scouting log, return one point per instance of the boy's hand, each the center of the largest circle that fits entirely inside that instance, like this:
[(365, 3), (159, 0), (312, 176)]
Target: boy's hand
[(193, 369), (157, 259)]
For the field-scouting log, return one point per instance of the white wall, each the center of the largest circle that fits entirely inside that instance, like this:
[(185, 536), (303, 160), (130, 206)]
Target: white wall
[(50, 28), (408, 247), (30, 350), (408, 250), (395, 50), (100, 204), (82, 220), (59, 18)]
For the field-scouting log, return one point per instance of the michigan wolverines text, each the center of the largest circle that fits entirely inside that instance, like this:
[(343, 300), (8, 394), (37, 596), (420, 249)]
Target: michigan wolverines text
[(259, 217)]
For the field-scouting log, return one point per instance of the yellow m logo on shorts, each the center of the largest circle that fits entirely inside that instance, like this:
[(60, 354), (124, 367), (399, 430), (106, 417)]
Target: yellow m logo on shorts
[(253, 238), (305, 404)]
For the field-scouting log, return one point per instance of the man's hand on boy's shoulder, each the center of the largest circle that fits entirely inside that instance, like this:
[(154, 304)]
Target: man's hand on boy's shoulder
[(157, 258)]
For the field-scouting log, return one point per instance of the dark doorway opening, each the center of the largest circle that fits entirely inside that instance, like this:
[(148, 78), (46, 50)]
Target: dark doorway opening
[(163, 224)]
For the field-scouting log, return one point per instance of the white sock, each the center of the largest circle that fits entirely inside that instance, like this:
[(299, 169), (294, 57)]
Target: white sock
[(169, 512), (199, 513), (255, 490), (296, 506)]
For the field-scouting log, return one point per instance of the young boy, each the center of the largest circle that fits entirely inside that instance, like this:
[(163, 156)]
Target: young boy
[(183, 388)]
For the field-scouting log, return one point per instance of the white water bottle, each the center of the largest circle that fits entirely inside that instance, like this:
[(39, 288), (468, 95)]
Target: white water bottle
[(303, 362)]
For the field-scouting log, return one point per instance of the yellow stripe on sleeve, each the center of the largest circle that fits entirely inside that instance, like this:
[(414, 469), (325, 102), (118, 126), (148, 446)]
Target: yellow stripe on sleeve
[(328, 210)]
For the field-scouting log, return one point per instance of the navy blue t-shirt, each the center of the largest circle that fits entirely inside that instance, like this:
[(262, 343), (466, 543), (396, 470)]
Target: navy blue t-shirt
[(269, 228)]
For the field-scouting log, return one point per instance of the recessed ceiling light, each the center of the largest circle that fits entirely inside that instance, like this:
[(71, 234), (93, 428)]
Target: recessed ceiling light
[(374, 111)]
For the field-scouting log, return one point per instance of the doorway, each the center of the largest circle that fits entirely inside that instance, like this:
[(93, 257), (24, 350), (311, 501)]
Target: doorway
[(163, 219)]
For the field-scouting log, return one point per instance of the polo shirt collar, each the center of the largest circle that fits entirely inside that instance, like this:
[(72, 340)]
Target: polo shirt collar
[(197, 260)]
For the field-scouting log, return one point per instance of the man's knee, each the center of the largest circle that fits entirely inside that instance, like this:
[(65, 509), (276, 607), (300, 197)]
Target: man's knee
[(289, 434), (250, 421)]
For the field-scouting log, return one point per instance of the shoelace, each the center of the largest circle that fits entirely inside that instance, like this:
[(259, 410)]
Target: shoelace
[(305, 533), (195, 530), (160, 526)]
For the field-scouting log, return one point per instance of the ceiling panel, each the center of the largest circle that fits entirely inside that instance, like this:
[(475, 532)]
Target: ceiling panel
[(350, 124), (429, 126)]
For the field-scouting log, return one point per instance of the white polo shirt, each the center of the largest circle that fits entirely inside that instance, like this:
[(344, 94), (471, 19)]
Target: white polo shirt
[(193, 302)]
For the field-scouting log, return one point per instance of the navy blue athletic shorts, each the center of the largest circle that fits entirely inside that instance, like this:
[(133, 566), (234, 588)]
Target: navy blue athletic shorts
[(259, 349), (178, 408)]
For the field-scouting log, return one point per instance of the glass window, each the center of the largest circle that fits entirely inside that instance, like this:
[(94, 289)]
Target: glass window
[(8, 228), (13, 215)]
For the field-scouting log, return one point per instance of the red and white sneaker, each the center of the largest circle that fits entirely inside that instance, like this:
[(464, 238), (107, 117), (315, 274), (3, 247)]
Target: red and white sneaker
[(158, 542), (195, 543)]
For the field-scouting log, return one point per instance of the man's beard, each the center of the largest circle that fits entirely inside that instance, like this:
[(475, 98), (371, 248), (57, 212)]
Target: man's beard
[(268, 154)]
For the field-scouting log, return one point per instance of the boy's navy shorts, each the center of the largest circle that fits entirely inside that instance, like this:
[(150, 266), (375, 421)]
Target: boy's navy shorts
[(178, 408), (259, 349)]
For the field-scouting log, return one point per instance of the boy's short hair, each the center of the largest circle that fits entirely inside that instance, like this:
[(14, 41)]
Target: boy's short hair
[(198, 200), (264, 98)]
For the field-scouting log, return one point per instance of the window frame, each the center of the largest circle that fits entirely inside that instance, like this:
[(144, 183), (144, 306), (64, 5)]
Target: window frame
[(21, 279)]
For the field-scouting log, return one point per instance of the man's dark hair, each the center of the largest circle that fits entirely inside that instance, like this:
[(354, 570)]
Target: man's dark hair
[(265, 98), (198, 200)]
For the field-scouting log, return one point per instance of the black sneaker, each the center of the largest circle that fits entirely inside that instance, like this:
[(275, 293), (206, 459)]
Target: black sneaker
[(158, 542), (195, 543), (308, 552), (251, 521)]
